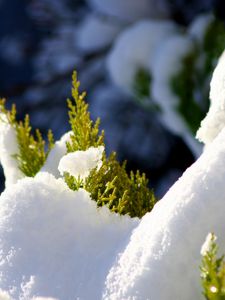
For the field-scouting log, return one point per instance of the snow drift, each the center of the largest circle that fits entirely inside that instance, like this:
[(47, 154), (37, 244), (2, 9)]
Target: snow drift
[(55, 242)]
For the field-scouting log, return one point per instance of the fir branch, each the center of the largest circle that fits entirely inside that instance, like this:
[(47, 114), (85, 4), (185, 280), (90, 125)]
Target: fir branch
[(184, 85), (85, 132), (32, 154), (213, 273), (110, 185)]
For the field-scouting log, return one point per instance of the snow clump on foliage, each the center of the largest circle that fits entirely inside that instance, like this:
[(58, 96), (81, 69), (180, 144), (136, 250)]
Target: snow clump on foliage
[(80, 163), (134, 47), (214, 121)]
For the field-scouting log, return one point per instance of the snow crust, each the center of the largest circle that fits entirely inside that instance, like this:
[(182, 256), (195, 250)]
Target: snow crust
[(134, 48), (55, 242), (8, 148), (162, 258), (80, 163), (214, 121)]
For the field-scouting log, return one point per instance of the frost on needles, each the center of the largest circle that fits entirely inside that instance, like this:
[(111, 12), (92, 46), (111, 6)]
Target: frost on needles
[(107, 182)]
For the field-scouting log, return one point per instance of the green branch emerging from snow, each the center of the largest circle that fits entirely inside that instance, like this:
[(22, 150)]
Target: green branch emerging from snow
[(212, 270), (110, 185), (32, 154)]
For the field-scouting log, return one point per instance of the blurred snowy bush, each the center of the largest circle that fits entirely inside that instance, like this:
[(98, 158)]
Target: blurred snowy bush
[(163, 63)]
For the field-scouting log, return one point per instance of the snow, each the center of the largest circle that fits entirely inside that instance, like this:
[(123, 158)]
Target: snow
[(208, 243), (134, 48), (55, 242), (214, 121), (168, 240), (166, 65), (80, 163), (131, 10), (55, 155), (199, 25), (4, 295), (96, 33), (8, 148)]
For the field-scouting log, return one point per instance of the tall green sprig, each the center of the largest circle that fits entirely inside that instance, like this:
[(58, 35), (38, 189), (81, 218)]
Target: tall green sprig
[(32, 154), (213, 272), (85, 131), (110, 185)]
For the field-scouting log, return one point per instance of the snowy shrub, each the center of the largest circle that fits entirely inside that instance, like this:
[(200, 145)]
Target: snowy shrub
[(31, 153), (161, 62), (83, 164)]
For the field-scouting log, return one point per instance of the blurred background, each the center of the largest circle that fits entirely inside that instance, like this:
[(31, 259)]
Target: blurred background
[(110, 43)]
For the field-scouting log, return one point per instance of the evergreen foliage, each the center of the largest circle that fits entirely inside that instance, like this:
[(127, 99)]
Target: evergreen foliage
[(213, 44), (184, 86), (85, 132), (213, 273), (193, 104), (111, 185), (141, 84), (32, 153)]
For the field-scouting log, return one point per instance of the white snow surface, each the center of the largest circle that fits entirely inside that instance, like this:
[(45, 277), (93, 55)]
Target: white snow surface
[(80, 163), (96, 33), (4, 295), (161, 260), (131, 10), (134, 48), (206, 246), (55, 242), (55, 155), (8, 148), (214, 121)]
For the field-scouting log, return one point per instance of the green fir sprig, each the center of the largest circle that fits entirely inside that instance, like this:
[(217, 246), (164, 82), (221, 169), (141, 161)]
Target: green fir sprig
[(213, 272), (32, 154), (110, 185)]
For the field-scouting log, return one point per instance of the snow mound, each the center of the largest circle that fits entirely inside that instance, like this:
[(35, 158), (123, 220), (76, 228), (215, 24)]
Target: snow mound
[(55, 242), (8, 148), (214, 121), (162, 259)]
